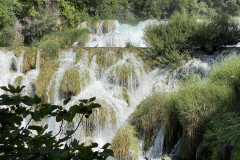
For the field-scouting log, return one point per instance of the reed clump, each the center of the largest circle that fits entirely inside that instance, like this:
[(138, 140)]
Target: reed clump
[(125, 144)]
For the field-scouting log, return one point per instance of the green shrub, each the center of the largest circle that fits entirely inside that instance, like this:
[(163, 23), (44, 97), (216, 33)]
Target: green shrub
[(7, 22), (172, 37), (222, 139), (170, 42), (217, 32)]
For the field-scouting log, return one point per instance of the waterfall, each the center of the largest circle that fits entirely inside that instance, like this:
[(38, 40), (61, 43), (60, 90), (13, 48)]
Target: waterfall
[(117, 77), (112, 33), (118, 81)]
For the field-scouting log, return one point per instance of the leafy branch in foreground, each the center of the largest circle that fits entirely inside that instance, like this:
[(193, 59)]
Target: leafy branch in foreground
[(22, 139)]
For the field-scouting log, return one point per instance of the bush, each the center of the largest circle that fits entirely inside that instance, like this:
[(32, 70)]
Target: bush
[(172, 37), (217, 32), (170, 42)]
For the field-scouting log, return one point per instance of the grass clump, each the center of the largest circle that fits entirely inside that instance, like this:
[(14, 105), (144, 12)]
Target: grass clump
[(66, 37), (70, 84), (148, 113), (227, 71), (147, 117), (46, 73), (196, 102), (49, 50), (125, 144)]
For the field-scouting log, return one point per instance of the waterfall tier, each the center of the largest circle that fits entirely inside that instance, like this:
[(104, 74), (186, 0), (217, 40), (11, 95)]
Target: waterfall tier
[(117, 77)]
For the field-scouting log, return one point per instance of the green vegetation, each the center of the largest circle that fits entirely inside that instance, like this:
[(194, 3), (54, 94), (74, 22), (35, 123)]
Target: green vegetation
[(217, 32), (49, 50), (222, 140), (25, 22), (51, 43), (65, 37), (126, 143), (19, 142), (147, 117), (70, 84), (203, 112), (171, 42), (46, 73)]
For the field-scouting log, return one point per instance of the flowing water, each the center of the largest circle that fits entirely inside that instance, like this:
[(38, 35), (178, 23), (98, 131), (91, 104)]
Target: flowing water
[(118, 80)]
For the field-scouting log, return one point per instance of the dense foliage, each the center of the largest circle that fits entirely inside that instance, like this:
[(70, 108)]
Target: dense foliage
[(27, 21), (171, 41), (22, 138)]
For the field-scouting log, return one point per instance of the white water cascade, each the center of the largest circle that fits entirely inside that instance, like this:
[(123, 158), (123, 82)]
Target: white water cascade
[(118, 78), (105, 81), (112, 33)]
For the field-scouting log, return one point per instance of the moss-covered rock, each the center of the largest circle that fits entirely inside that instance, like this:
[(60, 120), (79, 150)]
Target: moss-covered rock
[(84, 40), (125, 94), (18, 81), (30, 57), (95, 26), (70, 84), (108, 25), (18, 51), (79, 53), (106, 114), (13, 65), (102, 117), (125, 144), (46, 73)]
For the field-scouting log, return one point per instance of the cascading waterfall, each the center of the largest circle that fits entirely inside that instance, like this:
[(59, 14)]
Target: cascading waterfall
[(105, 82), (112, 33), (118, 78)]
